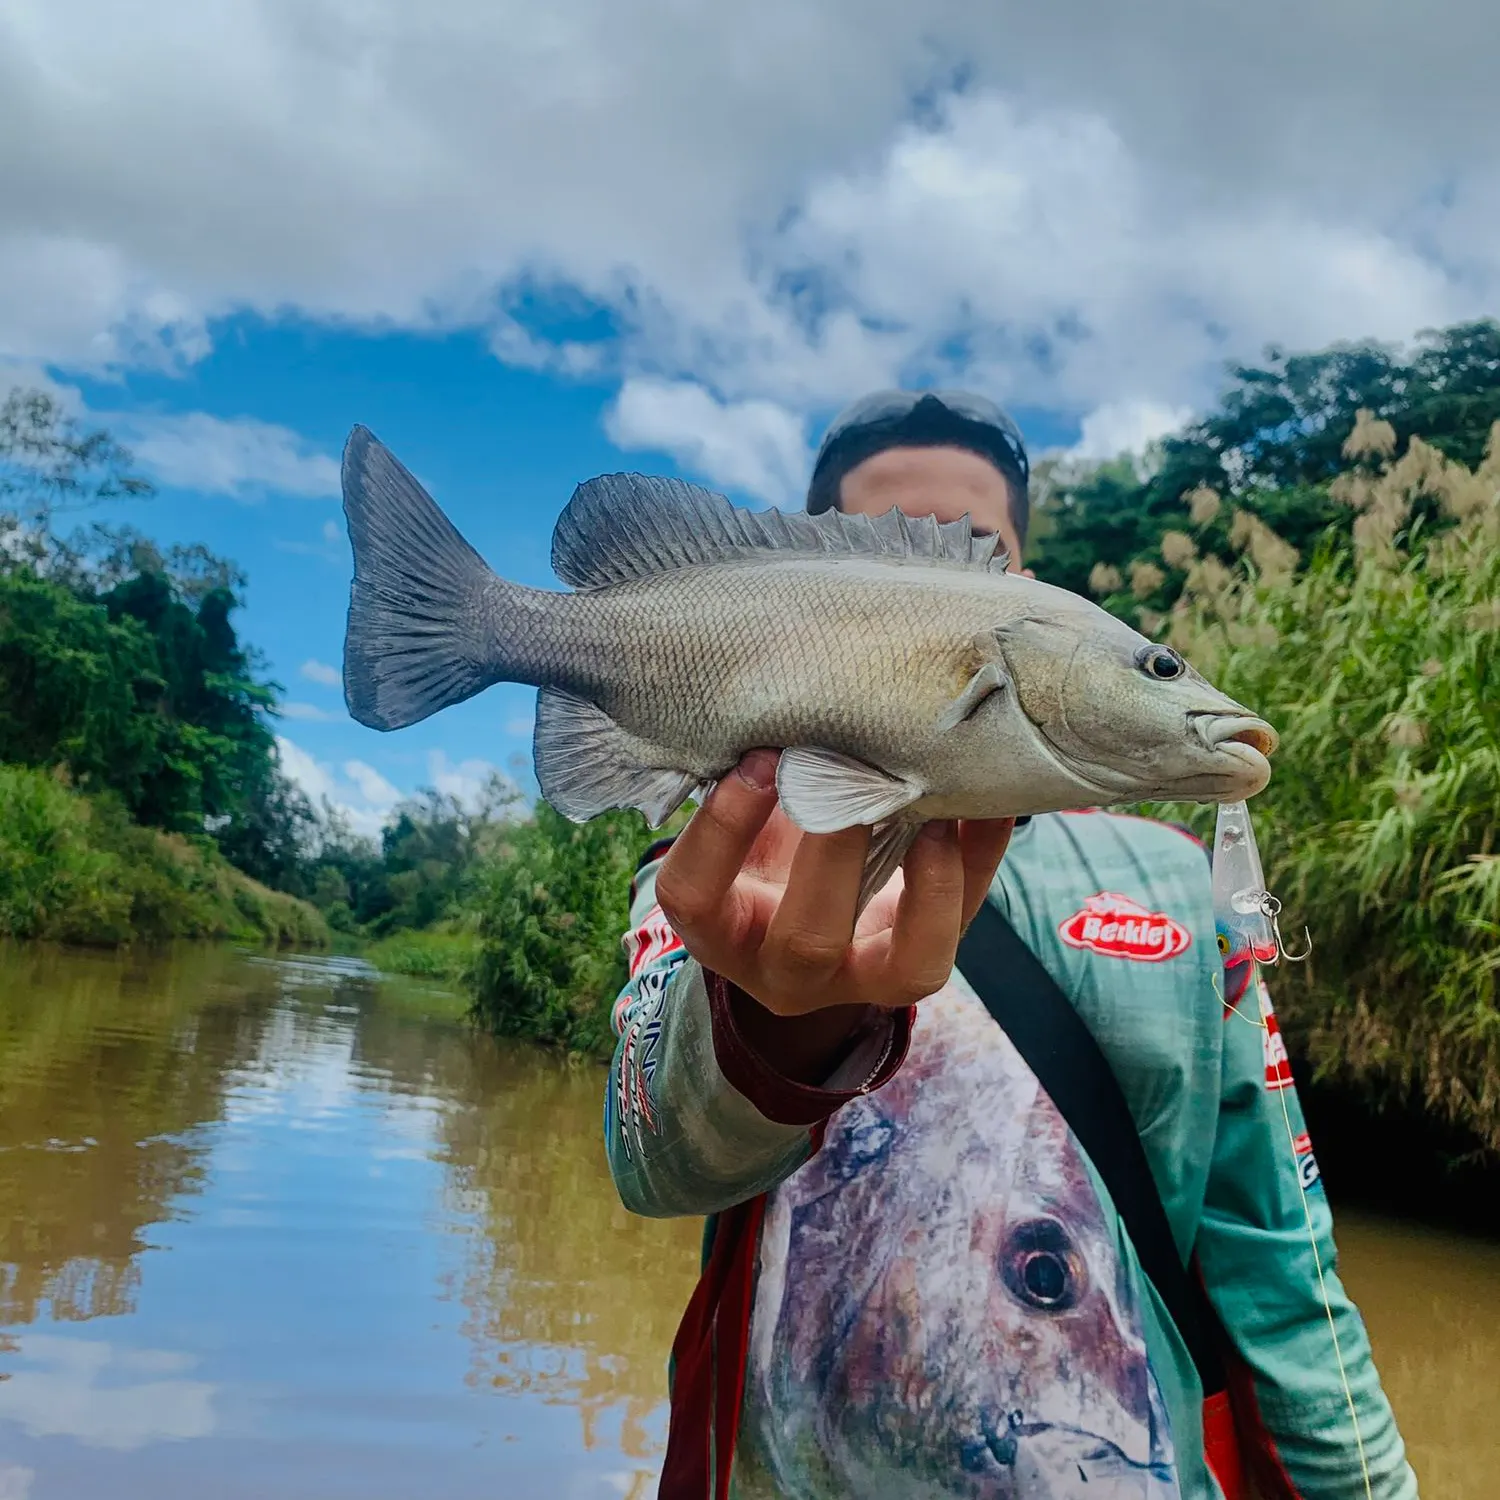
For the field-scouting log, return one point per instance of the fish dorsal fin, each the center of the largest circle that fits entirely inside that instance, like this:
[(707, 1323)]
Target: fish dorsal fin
[(620, 527)]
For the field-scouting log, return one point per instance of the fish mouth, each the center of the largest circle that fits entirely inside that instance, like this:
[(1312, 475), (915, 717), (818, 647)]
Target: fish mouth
[(1220, 731), (1067, 1450)]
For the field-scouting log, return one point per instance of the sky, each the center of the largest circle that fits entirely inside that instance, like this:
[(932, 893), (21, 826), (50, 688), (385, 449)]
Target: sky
[(529, 244)]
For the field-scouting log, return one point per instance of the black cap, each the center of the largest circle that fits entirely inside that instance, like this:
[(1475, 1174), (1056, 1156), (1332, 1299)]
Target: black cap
[(920, 419)]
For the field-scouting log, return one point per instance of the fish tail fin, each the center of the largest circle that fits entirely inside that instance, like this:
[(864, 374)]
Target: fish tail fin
[(416, 640)]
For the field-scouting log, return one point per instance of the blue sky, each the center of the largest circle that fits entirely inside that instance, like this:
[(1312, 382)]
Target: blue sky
[(527, 244), (501, 449)]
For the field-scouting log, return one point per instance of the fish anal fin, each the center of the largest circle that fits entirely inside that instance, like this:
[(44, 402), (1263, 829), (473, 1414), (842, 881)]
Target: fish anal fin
[(888, 845)]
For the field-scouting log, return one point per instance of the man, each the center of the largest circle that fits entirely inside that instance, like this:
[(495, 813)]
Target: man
[(915, 1282)]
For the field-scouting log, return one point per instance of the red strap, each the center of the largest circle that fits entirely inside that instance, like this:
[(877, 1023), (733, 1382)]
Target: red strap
[(708, 1363), (1258, 1453), (1221, 1446)]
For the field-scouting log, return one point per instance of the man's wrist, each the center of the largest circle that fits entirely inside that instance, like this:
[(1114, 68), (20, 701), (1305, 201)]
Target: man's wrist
[(797, 1070)]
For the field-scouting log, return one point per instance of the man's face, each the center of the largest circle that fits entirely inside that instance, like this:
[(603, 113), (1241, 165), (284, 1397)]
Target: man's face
[(944, 482)]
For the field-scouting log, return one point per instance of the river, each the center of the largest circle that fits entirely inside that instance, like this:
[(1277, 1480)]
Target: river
[(280, 1228)]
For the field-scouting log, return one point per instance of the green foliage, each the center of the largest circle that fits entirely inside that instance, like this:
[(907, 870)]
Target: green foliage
[(436, 953), (76, 869), (1271, 450), (120, 663), (421, 871), (551, 910), (1379, 664)]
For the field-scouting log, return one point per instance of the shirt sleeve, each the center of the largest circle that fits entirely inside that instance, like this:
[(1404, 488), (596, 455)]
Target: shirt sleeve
[(1305, 1370), (695, 1119)]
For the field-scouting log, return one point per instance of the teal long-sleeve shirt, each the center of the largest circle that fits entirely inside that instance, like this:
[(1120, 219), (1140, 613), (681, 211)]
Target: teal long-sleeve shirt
[(945, 1302)]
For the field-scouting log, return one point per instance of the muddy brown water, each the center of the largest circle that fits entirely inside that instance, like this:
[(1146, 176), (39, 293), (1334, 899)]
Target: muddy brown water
[(279, 1228)]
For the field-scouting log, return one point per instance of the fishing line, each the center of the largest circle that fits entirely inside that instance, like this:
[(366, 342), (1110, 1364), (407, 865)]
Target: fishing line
[(1312, 1239), (1246, 920)]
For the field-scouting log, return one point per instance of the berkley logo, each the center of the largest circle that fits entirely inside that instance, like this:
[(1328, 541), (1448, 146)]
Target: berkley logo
[(1121, 928)]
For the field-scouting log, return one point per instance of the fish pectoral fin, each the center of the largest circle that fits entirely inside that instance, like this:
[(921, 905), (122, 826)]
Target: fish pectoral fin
[(823, 791), (990, 678), (586, 764)]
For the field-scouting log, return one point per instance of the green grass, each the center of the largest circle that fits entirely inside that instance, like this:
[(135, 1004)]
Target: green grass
[(434, 953), (1379, 663), (75, 869)]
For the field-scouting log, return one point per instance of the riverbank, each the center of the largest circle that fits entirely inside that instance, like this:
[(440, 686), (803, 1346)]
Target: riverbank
[(432, 953), (75, 869)]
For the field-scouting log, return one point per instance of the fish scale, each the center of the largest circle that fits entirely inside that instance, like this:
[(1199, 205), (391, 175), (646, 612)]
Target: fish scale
[(902, 671)]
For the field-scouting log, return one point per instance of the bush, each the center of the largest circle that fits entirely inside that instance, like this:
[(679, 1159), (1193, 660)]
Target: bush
[(75, 869), (436, 953), (1379, 664), (550, 912)]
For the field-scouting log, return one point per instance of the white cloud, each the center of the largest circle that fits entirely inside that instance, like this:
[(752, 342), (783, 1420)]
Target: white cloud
[(361, 794), (750, 194), (1121, 427), (366, 799), (755, 446), (239, 457), (321, 672), (308, 712), (373, 787), (84, 1390), (520, 728), (465, 781), (16, 1482)]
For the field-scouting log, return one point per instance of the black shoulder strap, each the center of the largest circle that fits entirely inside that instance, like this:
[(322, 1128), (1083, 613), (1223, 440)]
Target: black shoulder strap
[(1061, 1051)]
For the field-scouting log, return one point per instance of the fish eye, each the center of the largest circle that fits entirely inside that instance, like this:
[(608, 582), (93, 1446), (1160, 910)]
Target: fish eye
[(1223, 945), (1040, 1266), (1160, 662)]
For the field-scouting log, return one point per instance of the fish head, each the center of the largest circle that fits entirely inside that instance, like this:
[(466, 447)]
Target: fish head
[(1127, 715), (948, 1300)]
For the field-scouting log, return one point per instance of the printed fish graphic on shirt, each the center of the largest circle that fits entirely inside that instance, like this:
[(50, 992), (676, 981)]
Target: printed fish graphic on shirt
[(943, 1309)]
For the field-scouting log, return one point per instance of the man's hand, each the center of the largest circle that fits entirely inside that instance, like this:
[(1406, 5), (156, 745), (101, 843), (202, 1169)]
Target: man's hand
[(772, 910)]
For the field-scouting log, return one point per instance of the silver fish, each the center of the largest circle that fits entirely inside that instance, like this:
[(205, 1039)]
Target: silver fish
[(904, 674), (942, 1309)]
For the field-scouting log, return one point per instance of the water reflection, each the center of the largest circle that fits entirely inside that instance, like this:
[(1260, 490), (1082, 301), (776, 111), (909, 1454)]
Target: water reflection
[(109, 1070), (106, 1397), (567, 1295), (329, 1236)]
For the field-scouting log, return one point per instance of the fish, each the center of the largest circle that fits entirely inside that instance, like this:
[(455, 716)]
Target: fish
[(902, 671), (943, 1309)]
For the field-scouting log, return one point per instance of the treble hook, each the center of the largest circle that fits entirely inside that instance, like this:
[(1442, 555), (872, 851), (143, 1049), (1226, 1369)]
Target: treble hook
[(1272, 908)]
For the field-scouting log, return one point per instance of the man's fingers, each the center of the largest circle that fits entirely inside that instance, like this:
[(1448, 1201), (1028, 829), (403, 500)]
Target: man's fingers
[(983, 844), (929, 915), (814, 922), (703, 863)]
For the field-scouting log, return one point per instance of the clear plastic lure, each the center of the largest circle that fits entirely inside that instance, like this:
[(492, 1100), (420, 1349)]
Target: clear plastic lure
[(1245, 911)]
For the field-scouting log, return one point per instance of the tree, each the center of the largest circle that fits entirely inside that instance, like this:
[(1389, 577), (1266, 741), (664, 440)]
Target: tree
[(48, 463), (1271, 450), (120, 662)]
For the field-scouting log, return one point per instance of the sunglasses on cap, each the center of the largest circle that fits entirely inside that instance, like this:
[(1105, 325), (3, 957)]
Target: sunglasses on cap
[(890, 419)]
